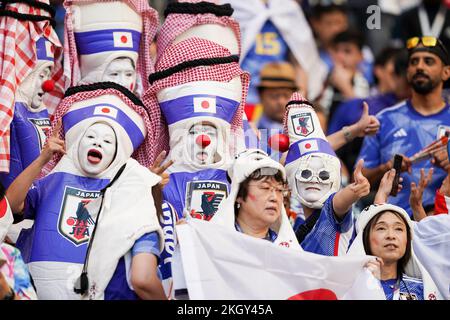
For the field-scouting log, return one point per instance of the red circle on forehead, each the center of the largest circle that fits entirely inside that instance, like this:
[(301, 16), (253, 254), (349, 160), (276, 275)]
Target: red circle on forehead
[(105, 110), (124, 39), (307, 146), (205, 104)]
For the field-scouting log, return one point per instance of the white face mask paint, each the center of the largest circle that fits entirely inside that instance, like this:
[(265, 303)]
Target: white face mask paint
[(313, 180), (121, 71), (97, 148), (198, 152), (38, 93)]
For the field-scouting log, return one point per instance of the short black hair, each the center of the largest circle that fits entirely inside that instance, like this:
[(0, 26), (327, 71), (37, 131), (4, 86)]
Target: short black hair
[(401, 63), (319, 10), (387, 54), (403, 261), (349, 36)]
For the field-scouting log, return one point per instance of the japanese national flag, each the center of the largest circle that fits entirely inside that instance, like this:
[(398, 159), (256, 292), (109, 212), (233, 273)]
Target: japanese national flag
[(105, 111), (205, 104), (123, 39), (308, 146), (48, 49)]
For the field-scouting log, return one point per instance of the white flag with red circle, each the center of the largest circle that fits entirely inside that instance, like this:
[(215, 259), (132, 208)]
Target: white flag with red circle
[(205, 104), (123, 39), (105, 111), (308, 146)]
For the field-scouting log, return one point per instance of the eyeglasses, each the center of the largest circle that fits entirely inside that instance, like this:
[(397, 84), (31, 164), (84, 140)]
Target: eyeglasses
[(279, 190), (306, 175), (427, 41)]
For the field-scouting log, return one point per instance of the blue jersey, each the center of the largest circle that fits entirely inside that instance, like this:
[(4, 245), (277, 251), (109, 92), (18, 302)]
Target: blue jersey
[(330, 237), (118, 287), (271, 235), (167, 221), (28, 135), (62, 226), (406, 289), (269, 47), (198, 192), (405, 131)]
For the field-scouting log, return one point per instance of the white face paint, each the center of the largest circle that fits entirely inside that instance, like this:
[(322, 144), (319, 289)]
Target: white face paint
[(38, 93), (313, 179), (97, 148), (198, 153), (121, 71)]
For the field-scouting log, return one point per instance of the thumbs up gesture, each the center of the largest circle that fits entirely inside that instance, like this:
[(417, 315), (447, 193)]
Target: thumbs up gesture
[(53, 145), (367, 124), (360, 186)]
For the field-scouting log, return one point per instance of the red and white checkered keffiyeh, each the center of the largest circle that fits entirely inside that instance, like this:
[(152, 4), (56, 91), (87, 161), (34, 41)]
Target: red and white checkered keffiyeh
[(144, 154), (176, 24), (150, 21), (187, 50), (17, 60)]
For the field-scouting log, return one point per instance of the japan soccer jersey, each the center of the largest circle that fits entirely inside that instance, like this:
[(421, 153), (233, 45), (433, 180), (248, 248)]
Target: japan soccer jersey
[(406, 289), (405, 131), (28, 136), (329, 236), (269, 47)]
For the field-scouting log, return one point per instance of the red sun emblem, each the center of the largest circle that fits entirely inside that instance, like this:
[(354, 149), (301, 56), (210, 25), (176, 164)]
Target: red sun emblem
[(308, 146), (124, 39), (317, 294), (105, 110), (205, 104)]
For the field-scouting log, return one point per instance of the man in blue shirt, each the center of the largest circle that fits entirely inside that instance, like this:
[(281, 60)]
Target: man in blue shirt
[(390, 72), (412, 125)]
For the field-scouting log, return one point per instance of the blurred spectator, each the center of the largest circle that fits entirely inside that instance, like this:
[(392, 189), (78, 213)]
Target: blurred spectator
[(270, 34), (345, 81), (430, 18), (277, 83), (328, 19), (379, 35), (410, 126), (390, 71)]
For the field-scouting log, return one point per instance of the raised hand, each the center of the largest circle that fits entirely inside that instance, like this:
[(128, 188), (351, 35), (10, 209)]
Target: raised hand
[(415, 197), (374, 266), (445, 187), (360, 186), (386, 186), (367, 124), (53, 145), (160, 170), (440, 159)]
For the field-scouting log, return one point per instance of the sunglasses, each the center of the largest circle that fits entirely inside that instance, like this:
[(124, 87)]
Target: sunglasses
[(427, 41), (306, 175)]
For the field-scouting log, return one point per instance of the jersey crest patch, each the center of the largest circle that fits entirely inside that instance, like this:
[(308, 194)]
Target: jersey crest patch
[(75, 223), (203, 198)]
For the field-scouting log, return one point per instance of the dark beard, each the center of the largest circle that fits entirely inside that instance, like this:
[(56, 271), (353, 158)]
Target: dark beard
[(423, 86)]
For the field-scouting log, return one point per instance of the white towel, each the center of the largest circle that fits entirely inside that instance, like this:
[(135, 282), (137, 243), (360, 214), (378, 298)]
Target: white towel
[(128, 213)]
